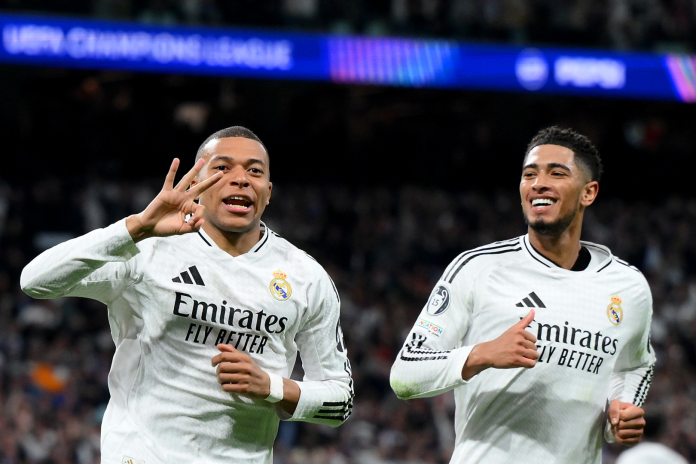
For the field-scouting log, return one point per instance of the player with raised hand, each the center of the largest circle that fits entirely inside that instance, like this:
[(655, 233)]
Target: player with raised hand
[(208, 308), (544, 337)]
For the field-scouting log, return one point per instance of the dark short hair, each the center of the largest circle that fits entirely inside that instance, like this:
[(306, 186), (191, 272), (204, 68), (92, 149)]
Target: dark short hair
[(234, 131), (586, 154)]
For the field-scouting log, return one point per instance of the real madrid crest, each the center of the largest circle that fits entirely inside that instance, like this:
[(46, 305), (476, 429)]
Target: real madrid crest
[(280, 288), (614, 311)]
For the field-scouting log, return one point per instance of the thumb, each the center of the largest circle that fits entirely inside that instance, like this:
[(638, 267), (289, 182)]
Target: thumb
[(229, 348), (526, 320), (614, 408)]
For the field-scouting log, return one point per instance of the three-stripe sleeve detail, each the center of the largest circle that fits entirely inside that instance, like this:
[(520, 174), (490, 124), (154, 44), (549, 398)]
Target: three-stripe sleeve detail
[(413, 350), (643, 387)]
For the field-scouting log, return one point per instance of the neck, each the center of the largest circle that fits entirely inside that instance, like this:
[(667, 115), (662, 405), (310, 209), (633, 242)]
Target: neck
[(234, 243), (563, 249)]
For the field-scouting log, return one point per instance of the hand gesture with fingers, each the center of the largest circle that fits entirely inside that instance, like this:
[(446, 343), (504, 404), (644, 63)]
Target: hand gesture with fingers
[(238, 373), (516, 347), (166, 214), (627, 422)]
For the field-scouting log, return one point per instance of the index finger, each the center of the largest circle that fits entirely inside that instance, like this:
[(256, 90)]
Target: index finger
[(186, 180), (205, 185), (630, 413), (226, 356)]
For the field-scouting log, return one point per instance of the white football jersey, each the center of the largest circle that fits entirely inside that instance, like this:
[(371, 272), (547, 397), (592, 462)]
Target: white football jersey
[(170, 302), (593, 331)]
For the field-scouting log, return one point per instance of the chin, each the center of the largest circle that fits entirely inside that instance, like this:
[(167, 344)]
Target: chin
[(237, 226), (550, 228)]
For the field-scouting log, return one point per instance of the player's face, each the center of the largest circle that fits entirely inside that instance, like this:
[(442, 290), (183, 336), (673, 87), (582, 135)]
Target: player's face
[(235, 203), (554, 189)]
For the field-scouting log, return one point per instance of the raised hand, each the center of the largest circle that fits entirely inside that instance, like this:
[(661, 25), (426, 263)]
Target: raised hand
[(627, 422), (516, 347), (166, 214), (238, 373)]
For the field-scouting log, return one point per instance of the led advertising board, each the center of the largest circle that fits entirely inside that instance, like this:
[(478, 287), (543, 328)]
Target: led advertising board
[(129, 46)]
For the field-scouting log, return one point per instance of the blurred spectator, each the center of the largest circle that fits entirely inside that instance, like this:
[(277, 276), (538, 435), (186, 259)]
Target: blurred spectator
[(622, 24)]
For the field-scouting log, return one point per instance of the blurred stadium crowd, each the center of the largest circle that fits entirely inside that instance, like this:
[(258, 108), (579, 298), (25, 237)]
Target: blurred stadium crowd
[(666, 25), (88, 150), (385, 249)]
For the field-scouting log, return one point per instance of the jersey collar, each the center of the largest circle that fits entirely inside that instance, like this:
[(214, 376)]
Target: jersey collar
[(593, 248), (260, 246)]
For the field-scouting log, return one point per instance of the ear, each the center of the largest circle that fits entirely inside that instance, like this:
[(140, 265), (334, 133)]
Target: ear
[(193, 184), (589, 193), (270, 190)]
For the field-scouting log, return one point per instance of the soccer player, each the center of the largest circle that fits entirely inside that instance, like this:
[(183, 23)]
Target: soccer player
[(207, 314), (544, 337)]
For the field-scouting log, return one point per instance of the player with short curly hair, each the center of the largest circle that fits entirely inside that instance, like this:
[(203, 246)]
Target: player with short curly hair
[(544, 338)]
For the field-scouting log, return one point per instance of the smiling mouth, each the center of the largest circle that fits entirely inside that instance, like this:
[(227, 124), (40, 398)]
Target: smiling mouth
[(236, 203), (541, 204)]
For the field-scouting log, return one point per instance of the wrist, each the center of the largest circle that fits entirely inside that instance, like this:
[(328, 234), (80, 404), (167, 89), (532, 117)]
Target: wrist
[(276, 388), (136, 229), (476, 362)]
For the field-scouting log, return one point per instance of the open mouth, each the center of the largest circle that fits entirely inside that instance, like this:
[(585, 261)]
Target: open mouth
[(542, 204), (237, 203)]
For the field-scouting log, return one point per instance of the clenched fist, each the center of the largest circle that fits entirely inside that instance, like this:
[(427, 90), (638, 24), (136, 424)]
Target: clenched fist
[(238, 373), (627, 422)]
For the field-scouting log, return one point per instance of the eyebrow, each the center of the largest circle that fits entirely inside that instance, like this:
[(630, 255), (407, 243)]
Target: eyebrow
[(550, 165), (229, 159)]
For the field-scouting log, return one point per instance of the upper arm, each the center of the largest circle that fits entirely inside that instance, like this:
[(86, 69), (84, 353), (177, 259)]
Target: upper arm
[(444, 320), (320, 339)]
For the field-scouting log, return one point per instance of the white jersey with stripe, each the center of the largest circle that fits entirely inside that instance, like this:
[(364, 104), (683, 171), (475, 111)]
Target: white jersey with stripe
[(593, 331), (170, 302)]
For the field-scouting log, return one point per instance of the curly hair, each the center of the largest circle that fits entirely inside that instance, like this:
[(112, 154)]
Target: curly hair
[(586, 154)]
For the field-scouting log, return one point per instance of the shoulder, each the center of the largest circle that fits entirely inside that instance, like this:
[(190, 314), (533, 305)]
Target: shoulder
[(302, 261), (621, 269), (475, 261), (168, 244)]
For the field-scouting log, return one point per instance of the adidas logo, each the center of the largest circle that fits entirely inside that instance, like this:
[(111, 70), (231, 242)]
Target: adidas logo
[(185, 277), (526, 301)]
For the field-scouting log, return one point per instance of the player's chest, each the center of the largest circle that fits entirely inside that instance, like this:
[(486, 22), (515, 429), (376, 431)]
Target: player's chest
[(210, 303), (578, 321)]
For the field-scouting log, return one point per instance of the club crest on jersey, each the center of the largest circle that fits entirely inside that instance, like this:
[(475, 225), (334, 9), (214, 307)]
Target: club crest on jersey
[(439, 301), (280, 288), (614, 311)]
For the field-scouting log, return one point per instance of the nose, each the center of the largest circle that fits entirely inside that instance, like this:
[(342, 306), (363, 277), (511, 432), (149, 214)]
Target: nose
[(541, 182), (239, 177)]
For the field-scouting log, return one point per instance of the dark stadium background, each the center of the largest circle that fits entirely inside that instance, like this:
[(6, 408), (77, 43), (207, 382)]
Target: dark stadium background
[(384, 186)]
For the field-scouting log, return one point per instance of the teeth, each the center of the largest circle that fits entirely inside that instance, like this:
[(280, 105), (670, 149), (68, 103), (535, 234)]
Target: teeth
[(542, 201)]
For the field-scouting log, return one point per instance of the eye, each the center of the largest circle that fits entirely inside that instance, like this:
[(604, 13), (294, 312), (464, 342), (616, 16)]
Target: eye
[(528, 175), (256, 170), (222, 167)]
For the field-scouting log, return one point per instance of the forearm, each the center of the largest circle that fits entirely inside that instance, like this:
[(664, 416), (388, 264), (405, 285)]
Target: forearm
[(421, 372), (136, 229), (291, 396), (56, 271), (475, 363), (327, 402)]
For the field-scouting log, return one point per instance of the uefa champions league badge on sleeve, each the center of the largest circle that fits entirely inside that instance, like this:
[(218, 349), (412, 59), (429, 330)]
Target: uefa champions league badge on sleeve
[(280, 288), (614, 311), (439, 300)]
